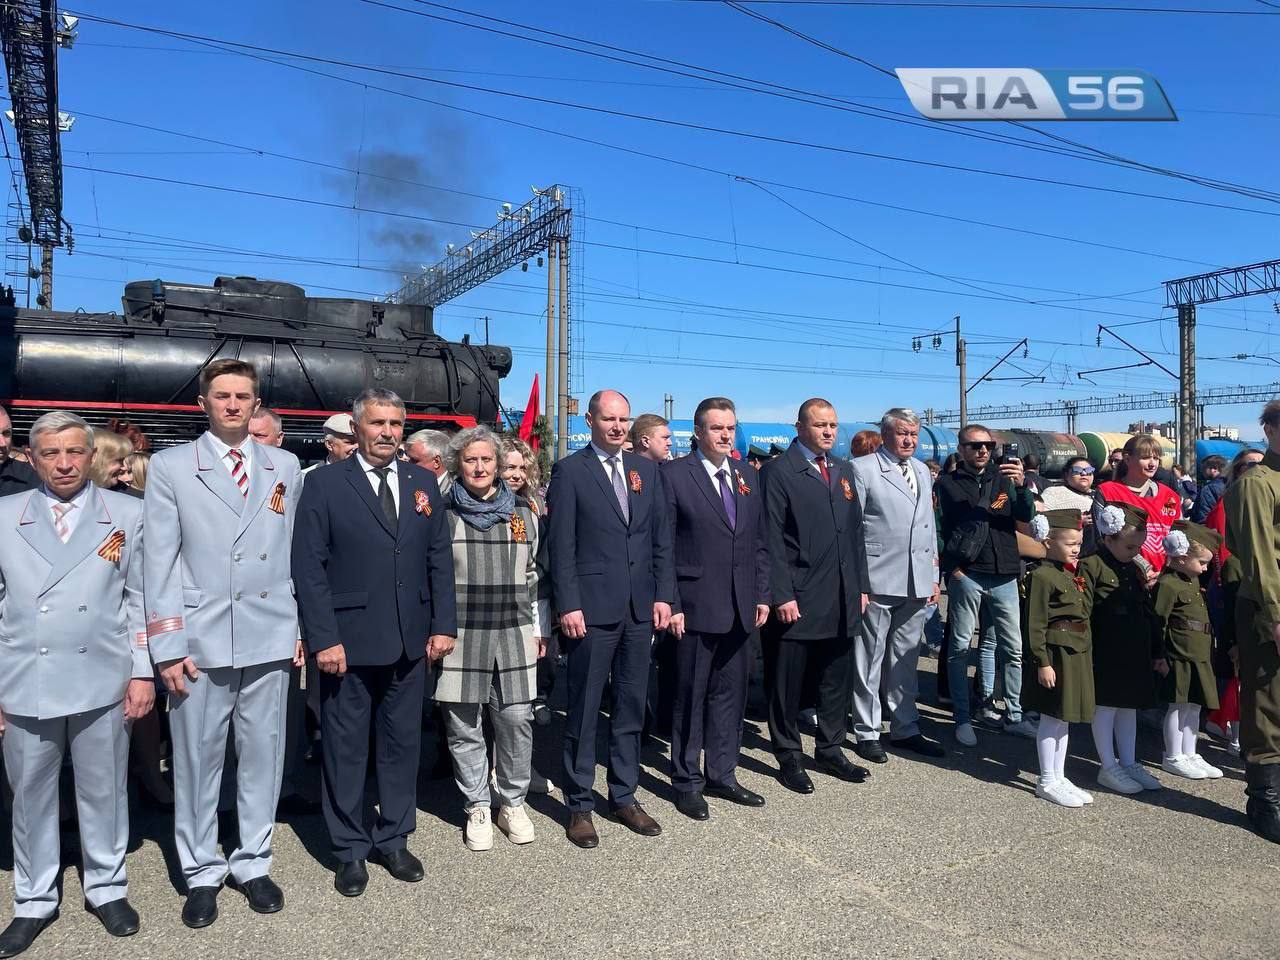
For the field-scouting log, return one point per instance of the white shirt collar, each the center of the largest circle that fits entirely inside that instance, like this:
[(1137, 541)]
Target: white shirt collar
[(892, 458), (368, 467), (78, 500), (810, 455), (245, 448), (605, 457), (712, 470)]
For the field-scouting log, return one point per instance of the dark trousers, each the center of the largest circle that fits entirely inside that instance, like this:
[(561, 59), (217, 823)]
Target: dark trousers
[(388, 701), (617, 654), (546, 669), (711, 672), (663, 685), (786, 663)]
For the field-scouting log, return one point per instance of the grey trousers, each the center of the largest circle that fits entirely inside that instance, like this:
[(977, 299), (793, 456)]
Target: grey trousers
[(256, 698), (512, 747), (887, 651), (33, 752)]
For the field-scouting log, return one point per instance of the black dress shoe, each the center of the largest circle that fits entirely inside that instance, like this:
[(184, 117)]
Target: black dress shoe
[(118, 918), (201, 908), (22, 932), (351, 878), (794, 778), (402, 865), (263, 895), (296, 805), (918, 744), (871, 751), (692, 805), (842, 769), (541, 714), (734, 793)]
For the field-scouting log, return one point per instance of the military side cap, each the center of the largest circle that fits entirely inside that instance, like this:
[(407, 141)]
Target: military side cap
[(1211, 540), (1134, 515), (1064, 519), (776, 451), (758, 452)]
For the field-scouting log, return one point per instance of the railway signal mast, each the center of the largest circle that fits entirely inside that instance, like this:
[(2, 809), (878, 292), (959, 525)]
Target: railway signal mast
[(31, 31)]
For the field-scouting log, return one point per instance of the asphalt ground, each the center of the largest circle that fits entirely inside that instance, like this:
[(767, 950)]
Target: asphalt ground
[(949, 858)]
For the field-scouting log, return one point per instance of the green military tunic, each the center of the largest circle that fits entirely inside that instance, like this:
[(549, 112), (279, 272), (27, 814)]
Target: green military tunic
[(1253, 536), (1125, 630), (1055, 622), (1229, 578), (1188, 641)]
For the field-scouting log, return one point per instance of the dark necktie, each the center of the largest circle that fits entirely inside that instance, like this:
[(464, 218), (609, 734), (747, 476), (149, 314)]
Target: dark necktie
[(726, 494), (821, 462), (384, 496)]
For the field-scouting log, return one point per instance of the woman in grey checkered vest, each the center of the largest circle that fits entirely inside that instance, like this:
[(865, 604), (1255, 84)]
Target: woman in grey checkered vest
[(503, 623)]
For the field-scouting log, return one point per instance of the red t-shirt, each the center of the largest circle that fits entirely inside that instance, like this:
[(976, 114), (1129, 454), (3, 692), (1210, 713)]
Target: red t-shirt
[(1163, 508)]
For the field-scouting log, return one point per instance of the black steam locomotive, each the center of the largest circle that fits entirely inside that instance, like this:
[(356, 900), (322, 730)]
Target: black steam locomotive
[(313, 356)]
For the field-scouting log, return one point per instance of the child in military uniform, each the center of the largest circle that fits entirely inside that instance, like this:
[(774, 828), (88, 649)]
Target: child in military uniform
[(1056, 621), (1128, 645), (1188, 635)]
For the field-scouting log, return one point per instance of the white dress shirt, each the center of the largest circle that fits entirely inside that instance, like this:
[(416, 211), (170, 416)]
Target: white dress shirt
[(811, 457), (72, 516), (905, 468), (393, 477), (604, 462), (245, 448), (713, 471)]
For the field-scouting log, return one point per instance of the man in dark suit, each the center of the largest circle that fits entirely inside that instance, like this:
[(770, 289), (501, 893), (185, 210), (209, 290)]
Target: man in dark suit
[(816, 560), (613, 583), (716, 510), (373, 571)]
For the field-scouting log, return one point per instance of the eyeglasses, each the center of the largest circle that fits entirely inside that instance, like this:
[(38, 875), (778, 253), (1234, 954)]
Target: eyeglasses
[(1082, 471), (980, 444)]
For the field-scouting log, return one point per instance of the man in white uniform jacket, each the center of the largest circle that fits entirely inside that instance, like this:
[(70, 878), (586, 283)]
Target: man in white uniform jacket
[(73, 671), (223, 630)]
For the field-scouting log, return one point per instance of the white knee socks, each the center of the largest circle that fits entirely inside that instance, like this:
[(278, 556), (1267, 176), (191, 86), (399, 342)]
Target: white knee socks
[(1115, 731), (1051, 748), (1181, 728)]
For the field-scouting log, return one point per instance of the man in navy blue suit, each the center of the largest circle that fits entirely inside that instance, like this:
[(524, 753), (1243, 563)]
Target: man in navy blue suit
[(716, 509), (613, 583), (373, 573)]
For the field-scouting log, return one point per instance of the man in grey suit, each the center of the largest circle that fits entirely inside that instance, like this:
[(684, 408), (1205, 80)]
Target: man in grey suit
[(223, 629), (901, 580), (74, 671)]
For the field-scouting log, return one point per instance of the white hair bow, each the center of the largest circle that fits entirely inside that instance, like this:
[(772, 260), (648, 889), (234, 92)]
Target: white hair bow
[(1039, 527), (1110, 520), (1176, 544)]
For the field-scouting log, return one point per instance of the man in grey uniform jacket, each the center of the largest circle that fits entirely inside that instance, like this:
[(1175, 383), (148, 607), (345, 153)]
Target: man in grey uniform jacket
[(73, 671), (901, 579), (223, 629)]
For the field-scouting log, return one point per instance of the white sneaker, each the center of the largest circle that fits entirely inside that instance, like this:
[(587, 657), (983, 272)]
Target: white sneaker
[(965, 735), (479, 829), (1059, 792), (1085, 796), (1210, 771), (1183, 766), (540, 784), (1023, 728), (515, 823), (1117, 779), (1139, 774)]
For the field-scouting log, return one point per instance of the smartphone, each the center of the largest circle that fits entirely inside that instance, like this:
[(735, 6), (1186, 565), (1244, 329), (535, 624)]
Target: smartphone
[(1010, 454)]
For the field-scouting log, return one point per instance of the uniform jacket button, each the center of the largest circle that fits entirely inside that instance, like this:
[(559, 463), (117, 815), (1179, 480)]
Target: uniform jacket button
[(237, 596), (262, 556), (236, 557), (83, 608), (263, 594), (83, 650), (44, 651)]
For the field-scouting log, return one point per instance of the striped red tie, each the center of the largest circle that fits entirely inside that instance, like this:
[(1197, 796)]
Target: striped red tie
[(238, 473)]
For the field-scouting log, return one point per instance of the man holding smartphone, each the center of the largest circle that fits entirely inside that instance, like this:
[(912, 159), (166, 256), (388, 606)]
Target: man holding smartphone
[(981, 503)]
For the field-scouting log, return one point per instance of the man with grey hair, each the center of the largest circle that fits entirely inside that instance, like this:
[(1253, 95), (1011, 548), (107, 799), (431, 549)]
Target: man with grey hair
[(76, 671), (267, 428), (428, 449), (15, 476), (901, 580)]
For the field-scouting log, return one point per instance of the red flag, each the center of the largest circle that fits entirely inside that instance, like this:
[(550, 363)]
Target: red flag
[(530, 415)]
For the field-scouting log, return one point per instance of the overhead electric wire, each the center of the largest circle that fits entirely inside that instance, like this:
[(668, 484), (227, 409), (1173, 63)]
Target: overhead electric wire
[(997, 5), (662, 121)]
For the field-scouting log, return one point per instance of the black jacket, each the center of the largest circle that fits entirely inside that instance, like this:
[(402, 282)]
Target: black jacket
[(961, 497), (817, 556), (16, 477)]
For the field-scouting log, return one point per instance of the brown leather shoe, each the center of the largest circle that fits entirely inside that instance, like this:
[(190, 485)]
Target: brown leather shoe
[(633, 817), (581, 832)]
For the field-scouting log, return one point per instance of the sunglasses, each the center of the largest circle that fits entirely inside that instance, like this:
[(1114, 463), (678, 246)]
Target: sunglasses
[(980, 444), (1082, 471)]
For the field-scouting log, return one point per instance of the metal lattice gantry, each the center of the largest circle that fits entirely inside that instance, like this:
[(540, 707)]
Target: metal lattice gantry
[(29, 38), (520, 233), (1223, 284)]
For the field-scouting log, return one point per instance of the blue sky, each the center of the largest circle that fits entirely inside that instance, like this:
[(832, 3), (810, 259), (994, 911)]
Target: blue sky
[(668, 301)]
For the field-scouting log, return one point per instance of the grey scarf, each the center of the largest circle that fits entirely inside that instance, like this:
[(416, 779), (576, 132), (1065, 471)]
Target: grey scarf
[(482, 514)]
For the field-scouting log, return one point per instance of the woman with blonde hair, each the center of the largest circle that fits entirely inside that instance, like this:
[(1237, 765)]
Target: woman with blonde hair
[(521, 471), (135, 470), (1140, 488), (109, 453)]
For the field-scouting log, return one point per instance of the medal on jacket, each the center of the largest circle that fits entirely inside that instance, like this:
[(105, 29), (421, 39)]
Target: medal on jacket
[(422, 503), (848, 490), (518, 532), (743, 489), (999, 502), (277, 499), (110, 551), (1079, 582), (636, 485)]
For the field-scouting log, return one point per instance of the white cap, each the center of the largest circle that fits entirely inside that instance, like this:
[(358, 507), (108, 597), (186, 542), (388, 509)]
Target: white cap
[(341, 424)]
